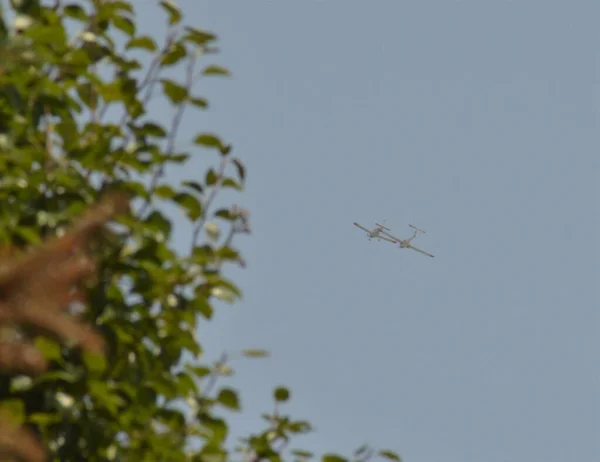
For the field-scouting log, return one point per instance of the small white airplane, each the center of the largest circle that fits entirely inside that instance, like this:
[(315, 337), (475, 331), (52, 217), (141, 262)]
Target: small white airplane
[(375, 232), (405, 243)]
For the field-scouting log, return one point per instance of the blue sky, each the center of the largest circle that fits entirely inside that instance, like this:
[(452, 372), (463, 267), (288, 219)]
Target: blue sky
[(474, 120)]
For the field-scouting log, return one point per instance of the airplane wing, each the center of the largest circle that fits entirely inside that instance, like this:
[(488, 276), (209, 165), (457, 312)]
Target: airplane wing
[(389, 235), (386, 239), (422, 251), (361, 227)]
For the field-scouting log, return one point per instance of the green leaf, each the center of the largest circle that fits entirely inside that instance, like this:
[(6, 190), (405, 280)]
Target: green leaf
[(173, 10), (225, 214), (190, 204), (199, 371), (144, 42), (44, 419), (255, 353), (333, 458), (216, 429), (216, 70), (386, 453), (76, 12), (175, 54), (53, 376), (302, 454), (198, 36), (175, 92), (186, 385), (124, 24), (165, 191), (88, 95), (101, 391), (95, 362), (193, 185), (157, 222), (281, 394), (152, 129), (211, 177), (240, 168), (199, 102), (49, 348), (229, 399), (209, 140), (201, 306), (30, 235), (231, 183), (300, 426)]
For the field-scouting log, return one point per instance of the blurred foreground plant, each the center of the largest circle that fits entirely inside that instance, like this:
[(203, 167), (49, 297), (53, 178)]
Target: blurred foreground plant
[(75, 123)]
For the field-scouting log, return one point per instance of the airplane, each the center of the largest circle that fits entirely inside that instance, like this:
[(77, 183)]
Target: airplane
[(375, 232), (405, 243)]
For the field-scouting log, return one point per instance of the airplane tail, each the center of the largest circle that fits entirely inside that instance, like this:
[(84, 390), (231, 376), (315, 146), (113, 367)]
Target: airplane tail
[(417, 229)]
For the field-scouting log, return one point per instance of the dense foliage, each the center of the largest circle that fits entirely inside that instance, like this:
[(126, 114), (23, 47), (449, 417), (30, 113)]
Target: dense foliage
[(75, 129)]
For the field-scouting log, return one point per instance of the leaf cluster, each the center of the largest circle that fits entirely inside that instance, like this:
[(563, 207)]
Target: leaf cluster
[(74, 128)]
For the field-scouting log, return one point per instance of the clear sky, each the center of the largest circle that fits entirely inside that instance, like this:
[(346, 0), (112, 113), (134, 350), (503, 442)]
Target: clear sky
[(475, 120)]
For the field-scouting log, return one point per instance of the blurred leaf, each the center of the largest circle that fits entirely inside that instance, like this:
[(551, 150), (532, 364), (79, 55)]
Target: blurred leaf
[(302, 454), (231, 183), (240, 168), (281, 394), (209, 140), (76, 12), (216, 70), (152, 129), (229, 399), (193, 185), (190, 204), (165, 191), (175, 54), (173, 10), (300, 426), (30, 235), (333, 458), (124, 24), (88, 95), (389, 455), (45, 419), (255, 353), (94, 362), (198, 36), (200, 371), (49, 348), (225, 214), (211, 177), (199, 102), (216, 429), (143, 41), (174, 91)]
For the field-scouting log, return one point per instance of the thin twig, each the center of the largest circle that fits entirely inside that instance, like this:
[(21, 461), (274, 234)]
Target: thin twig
[(214, 376), (172, 136), (206, 206)]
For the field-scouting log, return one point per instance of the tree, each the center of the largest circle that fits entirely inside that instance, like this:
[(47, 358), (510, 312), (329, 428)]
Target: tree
[(107, 387)]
